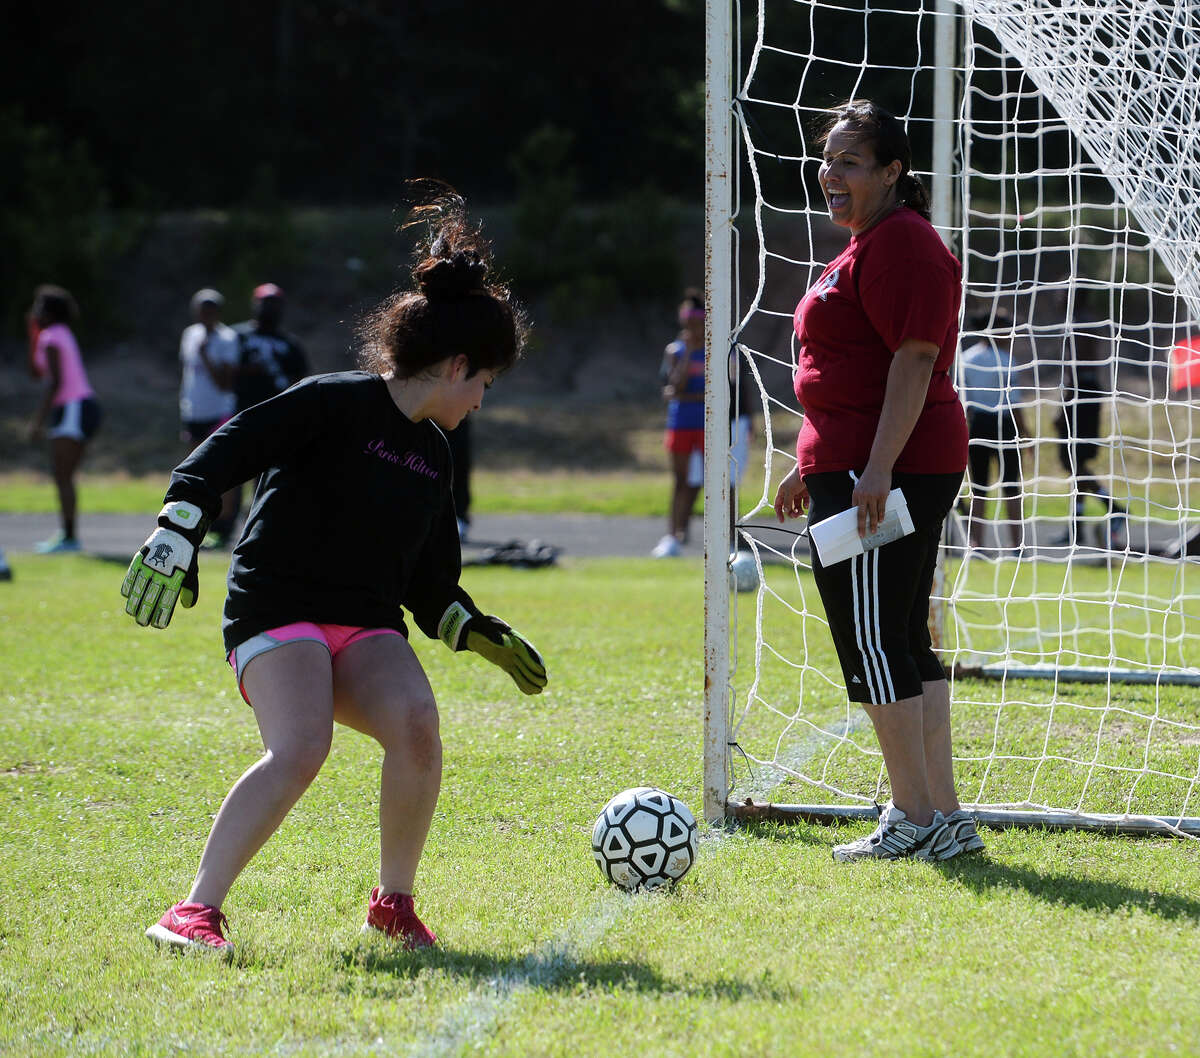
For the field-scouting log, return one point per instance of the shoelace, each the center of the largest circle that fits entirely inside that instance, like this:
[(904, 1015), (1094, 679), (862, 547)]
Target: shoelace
[(397, 903), (213, 920)]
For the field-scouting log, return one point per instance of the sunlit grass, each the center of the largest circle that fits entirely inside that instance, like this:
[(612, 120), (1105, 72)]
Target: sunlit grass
[(117, 743)]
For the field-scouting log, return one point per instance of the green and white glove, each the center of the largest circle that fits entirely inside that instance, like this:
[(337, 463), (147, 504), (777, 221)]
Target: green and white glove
[(165, 569), (492, 639)]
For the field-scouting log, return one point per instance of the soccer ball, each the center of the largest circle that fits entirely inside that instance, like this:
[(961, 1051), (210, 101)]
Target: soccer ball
[(743, 573), (644, 839)]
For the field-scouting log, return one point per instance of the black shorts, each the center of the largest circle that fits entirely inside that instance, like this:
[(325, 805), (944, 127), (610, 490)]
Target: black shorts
[(77, 419), (993, 436), (877, 603), (194, 431)]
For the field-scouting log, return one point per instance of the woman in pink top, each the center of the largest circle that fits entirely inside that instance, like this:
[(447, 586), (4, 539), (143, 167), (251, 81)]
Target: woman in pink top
[(69, 413)]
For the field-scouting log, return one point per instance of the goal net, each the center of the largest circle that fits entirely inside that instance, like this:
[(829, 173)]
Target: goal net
[(1061, 141)]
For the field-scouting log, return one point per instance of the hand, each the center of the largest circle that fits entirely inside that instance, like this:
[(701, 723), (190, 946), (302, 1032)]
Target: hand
[(870, 497), (791, 498), (492, 639), (165, 570)]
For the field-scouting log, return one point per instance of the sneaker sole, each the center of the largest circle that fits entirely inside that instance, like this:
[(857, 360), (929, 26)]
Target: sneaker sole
[(161, 935), (972, 846), (948, 852)]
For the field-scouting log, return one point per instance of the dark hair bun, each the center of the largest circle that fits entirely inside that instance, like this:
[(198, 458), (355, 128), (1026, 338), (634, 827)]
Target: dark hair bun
[(444, 275)]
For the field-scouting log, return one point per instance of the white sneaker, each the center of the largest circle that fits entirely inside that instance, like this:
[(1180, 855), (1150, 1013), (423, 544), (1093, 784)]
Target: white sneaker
[(667, 547), (962, 825), (897, 838)]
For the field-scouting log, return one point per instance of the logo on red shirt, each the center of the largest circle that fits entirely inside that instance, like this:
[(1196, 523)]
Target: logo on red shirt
[(825, 284)]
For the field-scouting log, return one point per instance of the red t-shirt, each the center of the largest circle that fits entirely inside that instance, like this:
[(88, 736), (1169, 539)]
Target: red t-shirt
[(894, 282)]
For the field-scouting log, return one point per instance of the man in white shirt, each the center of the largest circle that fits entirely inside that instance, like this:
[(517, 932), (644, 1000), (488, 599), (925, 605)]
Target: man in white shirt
[(208, 355), (995, 426)]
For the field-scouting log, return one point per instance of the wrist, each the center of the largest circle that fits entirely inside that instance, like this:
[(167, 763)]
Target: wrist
[(186, 519), (452, 628), (878, 465)]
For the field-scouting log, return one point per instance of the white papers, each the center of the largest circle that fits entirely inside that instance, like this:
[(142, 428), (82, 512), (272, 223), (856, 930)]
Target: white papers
[(836, 538)]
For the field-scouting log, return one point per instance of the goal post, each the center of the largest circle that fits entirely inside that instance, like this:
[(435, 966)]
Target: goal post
[(1061, 145), (718, 327)]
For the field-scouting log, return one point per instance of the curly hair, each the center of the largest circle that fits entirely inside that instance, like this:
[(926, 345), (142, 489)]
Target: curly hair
[(453, 306)]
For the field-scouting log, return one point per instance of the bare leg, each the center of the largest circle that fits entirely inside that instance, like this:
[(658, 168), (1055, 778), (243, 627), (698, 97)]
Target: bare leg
[(291, 690), (683, 495), (380, 689), (65, 455), (939, 759), (899, 726)]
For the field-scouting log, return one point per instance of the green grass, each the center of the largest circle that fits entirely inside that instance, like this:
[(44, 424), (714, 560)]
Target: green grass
[(642, 493), (493, 492), (117, 743)]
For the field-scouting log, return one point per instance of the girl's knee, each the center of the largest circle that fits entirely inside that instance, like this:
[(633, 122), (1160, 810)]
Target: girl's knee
[(416, 732), (302, 758)]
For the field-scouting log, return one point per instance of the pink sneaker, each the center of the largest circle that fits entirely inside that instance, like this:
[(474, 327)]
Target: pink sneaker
[(393, 914), (192, 926)]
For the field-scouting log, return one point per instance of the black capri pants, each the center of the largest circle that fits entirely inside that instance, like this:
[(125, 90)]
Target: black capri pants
[(877, 603)]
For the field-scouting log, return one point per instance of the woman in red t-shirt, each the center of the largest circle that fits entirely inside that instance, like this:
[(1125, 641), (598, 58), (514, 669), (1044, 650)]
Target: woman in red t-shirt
[(876, 338)]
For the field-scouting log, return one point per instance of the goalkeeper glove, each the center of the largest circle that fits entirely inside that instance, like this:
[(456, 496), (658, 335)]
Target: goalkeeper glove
[(492, 639), (165, 569)]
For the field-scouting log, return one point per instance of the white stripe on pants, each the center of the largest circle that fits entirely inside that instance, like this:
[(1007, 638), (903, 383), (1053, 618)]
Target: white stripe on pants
[(864, 580)]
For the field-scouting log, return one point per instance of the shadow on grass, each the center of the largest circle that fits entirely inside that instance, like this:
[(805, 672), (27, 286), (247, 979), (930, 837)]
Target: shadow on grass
[(552, 970), (784, 832), (983, 874)]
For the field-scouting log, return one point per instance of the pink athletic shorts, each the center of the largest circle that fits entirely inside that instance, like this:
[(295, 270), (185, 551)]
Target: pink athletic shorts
[(335, 639)]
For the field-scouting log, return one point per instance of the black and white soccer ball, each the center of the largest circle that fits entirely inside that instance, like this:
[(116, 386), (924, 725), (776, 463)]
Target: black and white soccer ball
[(743, 572), (644, 839)]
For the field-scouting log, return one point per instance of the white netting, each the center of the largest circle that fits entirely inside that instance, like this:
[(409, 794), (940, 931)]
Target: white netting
[(1074, 166)]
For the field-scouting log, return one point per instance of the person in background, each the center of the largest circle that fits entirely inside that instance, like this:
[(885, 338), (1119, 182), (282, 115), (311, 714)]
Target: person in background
[(354, 520), (460, 457), (69, 413), (1184, 368), (876, 336), (742, 393), (995, 425), (269, 359), (208, 357), (1184, 383), (1084, 392), (683, 374)]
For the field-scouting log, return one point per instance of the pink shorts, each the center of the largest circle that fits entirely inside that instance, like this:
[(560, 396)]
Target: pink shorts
[(334, 638)]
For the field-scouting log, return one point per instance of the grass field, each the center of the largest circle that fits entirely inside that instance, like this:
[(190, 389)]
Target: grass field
[(492, 492), (117, 743)]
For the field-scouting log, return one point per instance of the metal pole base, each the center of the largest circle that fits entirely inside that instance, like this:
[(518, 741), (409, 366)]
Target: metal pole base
[(1160, 826)]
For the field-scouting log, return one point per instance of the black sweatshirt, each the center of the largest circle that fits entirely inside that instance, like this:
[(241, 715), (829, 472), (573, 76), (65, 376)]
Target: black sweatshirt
[(352, 517)]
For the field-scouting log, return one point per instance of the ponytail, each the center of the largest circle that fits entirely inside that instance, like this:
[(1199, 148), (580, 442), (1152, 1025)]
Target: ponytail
[(911, 191)]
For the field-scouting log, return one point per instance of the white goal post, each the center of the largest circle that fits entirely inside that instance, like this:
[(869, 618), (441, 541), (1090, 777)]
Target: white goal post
[(1060, 140)]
